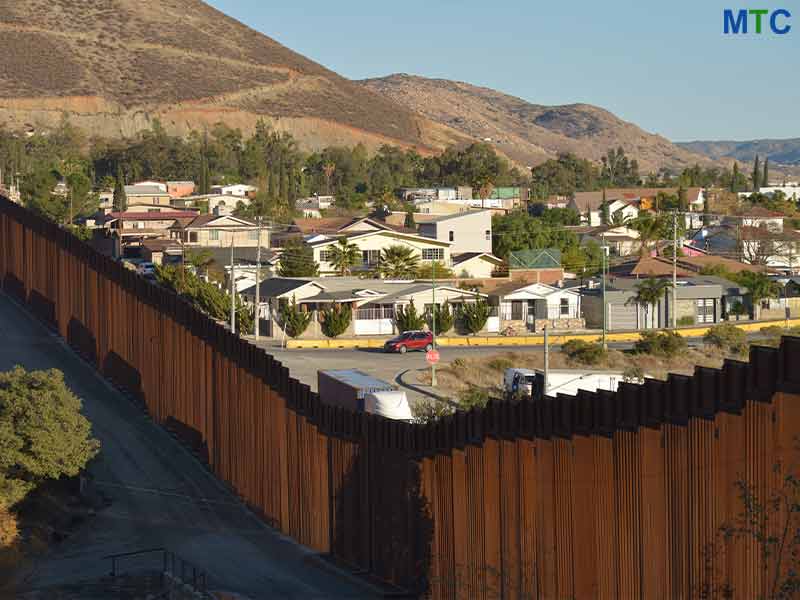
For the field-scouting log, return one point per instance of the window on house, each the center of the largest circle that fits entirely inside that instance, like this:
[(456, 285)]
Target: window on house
[(213, 235), (370, 257), (325, 255), (452, 236), (432, 254), (253, 235), (517, 310), (488, 235), (564, 307), (192, 237), (705, 310)]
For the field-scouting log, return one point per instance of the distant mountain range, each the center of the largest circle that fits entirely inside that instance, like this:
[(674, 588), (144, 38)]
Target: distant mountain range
[(780, 152)]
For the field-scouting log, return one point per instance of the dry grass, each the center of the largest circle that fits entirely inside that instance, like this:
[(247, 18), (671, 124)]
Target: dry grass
[(487, 372)]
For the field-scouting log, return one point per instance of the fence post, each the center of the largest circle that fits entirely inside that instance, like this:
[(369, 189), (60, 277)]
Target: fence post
[(113, 566)]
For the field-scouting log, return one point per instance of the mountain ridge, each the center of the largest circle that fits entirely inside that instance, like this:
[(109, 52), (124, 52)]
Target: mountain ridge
[(784, 151), (529, 132)]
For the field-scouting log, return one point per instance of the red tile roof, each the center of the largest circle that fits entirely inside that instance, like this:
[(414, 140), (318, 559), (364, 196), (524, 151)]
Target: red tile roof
[(152, 216)]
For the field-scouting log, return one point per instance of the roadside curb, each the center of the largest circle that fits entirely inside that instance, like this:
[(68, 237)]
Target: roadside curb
[(533, 340), (419, 388)]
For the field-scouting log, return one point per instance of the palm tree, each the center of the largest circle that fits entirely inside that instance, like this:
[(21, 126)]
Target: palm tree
[(328, 169), (398, 262), (650, 230), (200, 260), (648, 293), (343, 256), (484, 191)]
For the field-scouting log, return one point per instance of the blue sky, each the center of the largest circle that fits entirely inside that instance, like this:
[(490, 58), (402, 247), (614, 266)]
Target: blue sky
[(664, 65)]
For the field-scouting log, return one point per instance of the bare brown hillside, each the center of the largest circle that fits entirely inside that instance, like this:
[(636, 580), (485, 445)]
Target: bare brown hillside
[(529, 133), (113, 65)]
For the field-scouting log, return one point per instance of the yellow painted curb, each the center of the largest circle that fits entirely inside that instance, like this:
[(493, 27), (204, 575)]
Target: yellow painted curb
[(627, 336)]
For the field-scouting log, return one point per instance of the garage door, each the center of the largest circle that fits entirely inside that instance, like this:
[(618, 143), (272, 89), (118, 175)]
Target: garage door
[(622, 317)]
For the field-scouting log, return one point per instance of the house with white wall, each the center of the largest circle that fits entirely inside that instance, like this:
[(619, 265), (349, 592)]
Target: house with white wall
[(534, 306), (469, 231), (240, 190), (213, 231)]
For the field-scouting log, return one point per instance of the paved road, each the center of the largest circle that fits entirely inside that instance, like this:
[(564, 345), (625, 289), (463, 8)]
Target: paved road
[(161, 495)]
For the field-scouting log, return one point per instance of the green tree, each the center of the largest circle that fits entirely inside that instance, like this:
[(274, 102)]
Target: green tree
[(756, 178), (649, 293), (617, 170), (443, 317), (295, 320), (651, 228), (706, 212), (200, 260), (297, 260), (735, 178), (398, 262), (344, 255), (765, 179), (409, 222), (666, 344), (563, 176), (120, 198), (427, 270), (474, 315), (759, 286), (683, 201), (336, 319), (43, 434), (408, 319), (205, 177)]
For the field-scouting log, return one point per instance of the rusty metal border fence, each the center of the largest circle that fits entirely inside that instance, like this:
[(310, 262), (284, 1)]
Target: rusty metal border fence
[(602, 495)]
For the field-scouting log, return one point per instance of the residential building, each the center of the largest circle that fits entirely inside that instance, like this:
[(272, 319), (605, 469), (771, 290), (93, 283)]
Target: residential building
[(702, 300), (753, 245), (542, 265), (160, 185), (238, 190), (533, 307), (757, 216), (589, 204), (211, 231), (477, 265), (147, 194), (180, 189), (372, 243), (622, 240), (374, 302), (467, 232), (131, 229), (687, 266)]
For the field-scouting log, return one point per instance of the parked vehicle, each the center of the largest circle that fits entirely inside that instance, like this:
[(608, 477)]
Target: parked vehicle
[(355, 390), (146, 269), (519, 382), (410, 340)]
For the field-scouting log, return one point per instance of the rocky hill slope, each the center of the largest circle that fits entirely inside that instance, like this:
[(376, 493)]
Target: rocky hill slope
[(112, 66), (529, 133)]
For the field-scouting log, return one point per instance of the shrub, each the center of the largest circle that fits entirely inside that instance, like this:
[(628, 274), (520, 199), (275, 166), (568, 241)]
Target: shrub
[(666, 344), (295, 320), (634, 374), (474, 316), (428, 411), (587, 353), (500, 364), (336, 320), (408, 319), (684, 321), (458, 363), (726, 336), (443, 316), (473, 397)]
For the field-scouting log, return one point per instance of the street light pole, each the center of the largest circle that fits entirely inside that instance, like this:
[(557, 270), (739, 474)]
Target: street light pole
[(233, 288), (675, 269), (433, 320), (605, 306), (258, 283)]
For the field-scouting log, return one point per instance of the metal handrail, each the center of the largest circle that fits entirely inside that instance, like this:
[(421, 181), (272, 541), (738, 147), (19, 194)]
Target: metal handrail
[(199, 578)]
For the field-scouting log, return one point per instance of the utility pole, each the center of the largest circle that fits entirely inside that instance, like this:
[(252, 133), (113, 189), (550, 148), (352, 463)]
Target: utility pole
[(605, 307), (675, 269), (258, 283), (433, 320), (546, 386), (233, 288)]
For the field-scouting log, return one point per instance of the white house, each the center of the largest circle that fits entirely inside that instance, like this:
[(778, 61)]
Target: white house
[(469, 231), (476, 265), (622, 211), (370, 244), (537, 305), (239, 190)]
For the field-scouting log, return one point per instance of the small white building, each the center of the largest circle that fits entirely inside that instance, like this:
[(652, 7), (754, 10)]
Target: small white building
[(476, 265), (537, 305), (240, 190)]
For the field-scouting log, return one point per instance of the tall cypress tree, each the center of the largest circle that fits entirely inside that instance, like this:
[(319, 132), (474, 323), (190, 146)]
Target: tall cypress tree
[(120, 198), (205, 179), (756, 175), (765, 180), (735, 177)]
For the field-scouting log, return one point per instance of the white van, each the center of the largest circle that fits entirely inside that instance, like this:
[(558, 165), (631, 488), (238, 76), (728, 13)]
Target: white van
[(519, 382)]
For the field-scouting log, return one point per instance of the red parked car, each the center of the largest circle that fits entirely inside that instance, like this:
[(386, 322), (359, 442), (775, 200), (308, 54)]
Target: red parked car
[(410, 340)]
